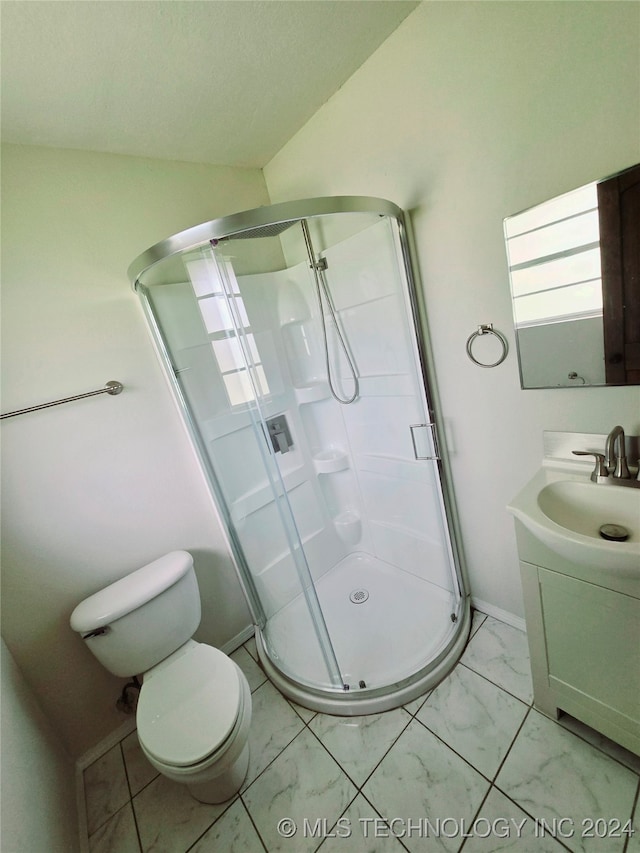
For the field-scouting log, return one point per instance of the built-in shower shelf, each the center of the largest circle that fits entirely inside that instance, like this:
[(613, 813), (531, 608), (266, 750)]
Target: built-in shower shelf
[(312, 393), (330, 461), (348, 526)]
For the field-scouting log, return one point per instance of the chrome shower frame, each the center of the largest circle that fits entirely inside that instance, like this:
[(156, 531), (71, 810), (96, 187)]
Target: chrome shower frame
[(260, 219), (270, 221)]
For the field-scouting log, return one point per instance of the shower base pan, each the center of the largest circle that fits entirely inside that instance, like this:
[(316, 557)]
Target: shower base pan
[(392, 634)]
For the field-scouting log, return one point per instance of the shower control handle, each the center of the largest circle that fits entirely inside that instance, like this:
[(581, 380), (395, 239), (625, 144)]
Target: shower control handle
[(283, 447), (279, 434)]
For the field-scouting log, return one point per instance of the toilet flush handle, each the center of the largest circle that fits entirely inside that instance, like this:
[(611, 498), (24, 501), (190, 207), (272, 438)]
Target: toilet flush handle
[(97, 633)]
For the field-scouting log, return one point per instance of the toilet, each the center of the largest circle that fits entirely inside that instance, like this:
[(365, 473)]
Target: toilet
[(194, 708)]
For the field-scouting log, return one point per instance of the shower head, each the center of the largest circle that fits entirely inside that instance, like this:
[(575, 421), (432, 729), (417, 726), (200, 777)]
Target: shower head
[(271, 230)]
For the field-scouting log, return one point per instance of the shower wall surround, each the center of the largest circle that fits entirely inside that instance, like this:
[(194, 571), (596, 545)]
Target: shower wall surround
[(339, 523)]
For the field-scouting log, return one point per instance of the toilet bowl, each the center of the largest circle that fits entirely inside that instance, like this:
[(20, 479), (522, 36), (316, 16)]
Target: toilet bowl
[(193, 718), (194, 710)]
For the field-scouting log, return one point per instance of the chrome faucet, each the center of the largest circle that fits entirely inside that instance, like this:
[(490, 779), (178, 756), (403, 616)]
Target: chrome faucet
[(611, 466), (616, 459)]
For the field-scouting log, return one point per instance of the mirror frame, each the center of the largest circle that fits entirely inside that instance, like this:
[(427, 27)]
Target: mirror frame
[(618, 206)]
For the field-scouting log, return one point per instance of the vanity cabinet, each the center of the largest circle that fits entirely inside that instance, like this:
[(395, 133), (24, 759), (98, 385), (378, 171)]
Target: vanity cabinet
[(583, 628)]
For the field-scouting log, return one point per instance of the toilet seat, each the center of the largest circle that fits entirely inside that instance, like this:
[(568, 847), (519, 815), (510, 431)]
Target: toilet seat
[(189, 706)]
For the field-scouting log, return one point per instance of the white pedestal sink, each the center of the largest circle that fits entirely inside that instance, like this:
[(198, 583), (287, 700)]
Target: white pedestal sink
[(565, 511)]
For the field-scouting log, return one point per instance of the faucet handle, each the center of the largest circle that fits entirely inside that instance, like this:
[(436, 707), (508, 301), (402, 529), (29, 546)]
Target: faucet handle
[(600, 472)]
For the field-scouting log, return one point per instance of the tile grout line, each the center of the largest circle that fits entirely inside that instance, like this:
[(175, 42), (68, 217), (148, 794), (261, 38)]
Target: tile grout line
[(232, 800), (253, 823), (120, 807), (353, 782), (372, 807), (275, 758), (513, 740), (492, 782), (495, 684), (133, 811), (475, 816), (635, 815)]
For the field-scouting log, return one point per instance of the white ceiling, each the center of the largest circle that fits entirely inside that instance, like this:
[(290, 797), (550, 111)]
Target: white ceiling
[(212, 81)]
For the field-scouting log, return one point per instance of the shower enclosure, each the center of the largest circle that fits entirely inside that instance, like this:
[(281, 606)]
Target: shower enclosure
[(292, 338)]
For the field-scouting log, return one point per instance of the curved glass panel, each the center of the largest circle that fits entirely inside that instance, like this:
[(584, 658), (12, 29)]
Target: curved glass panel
[(295, 354)]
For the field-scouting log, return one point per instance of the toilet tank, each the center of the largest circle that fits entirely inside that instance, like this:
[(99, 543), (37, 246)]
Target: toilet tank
[(141, 619)]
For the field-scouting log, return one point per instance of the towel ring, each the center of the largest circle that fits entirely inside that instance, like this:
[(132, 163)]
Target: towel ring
[(487, 329)]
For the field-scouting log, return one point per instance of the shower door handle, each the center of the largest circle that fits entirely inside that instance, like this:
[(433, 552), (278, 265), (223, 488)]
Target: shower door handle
[(431, 427)]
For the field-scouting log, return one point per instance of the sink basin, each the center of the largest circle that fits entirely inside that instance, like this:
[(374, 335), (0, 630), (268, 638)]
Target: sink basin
[(565, 512), (584, 507)]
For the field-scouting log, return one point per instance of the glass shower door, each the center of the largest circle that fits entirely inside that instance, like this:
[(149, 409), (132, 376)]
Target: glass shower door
[(202, 324), (333, 370)]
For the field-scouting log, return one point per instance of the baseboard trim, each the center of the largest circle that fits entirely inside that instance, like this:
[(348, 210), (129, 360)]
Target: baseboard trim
[(106, 744), (499, 614), (238, 640)]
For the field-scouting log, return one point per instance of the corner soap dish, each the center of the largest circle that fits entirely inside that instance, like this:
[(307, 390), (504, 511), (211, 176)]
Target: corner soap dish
[(330, 461)]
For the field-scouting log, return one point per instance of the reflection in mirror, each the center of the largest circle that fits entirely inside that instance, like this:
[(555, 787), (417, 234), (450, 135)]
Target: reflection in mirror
[(574, 267)]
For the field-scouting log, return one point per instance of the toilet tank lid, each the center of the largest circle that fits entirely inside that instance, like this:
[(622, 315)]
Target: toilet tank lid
[(130, 592)]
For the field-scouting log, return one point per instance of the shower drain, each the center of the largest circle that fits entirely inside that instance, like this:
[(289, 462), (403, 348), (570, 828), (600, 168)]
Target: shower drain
[(359, 596)]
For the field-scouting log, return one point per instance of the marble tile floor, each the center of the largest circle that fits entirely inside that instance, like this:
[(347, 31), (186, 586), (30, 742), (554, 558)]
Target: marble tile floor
[(470, 766)]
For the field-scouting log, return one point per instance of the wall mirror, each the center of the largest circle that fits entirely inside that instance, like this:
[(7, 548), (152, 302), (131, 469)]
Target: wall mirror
[(574, 268)]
